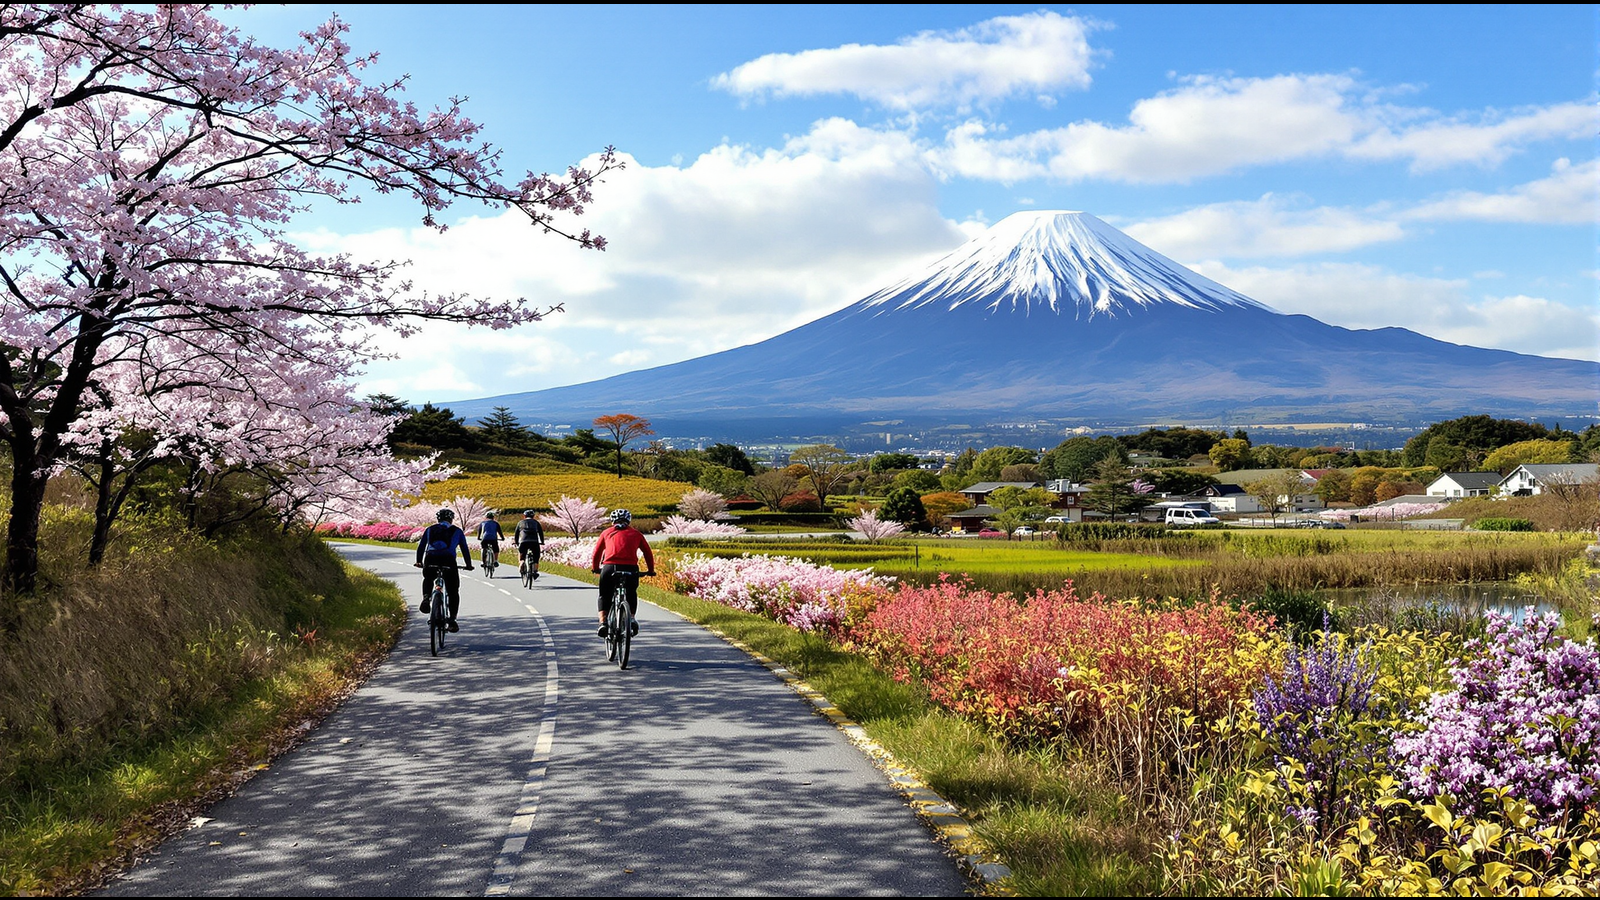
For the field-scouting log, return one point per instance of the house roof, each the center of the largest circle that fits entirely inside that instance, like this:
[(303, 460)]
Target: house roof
[(1472, 481), (984, 487), (1222, 490), (985, 511), (1546, 471)]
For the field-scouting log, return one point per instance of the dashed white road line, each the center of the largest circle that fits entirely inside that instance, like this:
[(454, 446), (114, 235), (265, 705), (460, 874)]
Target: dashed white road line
[(521, 826)]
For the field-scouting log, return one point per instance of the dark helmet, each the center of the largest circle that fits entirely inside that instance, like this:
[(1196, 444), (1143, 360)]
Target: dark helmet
[(529, 512), (447, 515), (621, 517), (488, 515)]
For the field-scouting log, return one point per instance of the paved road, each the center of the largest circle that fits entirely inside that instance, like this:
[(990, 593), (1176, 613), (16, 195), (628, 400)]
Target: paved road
[(521, 762)]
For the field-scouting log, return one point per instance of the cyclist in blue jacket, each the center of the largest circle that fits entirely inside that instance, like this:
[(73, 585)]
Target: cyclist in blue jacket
[(489, 535), (436, 556)]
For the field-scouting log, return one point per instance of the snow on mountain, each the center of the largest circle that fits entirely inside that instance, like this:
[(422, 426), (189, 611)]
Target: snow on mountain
[(1068, 262)]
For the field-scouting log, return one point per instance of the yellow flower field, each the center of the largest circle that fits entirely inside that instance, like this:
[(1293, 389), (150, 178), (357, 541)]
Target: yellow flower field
[(539, 491)]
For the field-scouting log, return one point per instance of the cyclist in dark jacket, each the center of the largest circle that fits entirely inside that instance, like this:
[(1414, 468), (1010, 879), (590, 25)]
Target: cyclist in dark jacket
[(530, 540), (436, 557)]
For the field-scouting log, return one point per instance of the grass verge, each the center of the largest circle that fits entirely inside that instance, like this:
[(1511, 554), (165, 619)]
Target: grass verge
[(74, 826), (1052, 819)]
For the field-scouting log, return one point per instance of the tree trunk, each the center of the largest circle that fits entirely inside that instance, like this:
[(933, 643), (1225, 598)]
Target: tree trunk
[(22, 533)]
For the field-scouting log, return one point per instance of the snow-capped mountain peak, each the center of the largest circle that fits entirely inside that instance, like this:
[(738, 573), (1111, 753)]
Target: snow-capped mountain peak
[(1069, 263)]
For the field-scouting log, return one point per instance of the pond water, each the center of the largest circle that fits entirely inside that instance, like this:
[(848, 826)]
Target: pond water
[(1464, 600)]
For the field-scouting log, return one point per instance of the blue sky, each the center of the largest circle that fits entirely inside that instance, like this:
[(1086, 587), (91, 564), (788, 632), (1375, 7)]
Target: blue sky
[(1431, 167)]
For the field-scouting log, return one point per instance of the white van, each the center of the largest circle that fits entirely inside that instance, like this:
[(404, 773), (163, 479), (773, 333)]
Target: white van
[(1181, 516)]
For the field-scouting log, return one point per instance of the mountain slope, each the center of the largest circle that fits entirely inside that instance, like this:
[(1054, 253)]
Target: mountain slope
[(1061, 316)]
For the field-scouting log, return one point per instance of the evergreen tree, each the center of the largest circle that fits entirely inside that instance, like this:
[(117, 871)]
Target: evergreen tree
[(501, 427), (903, 505), (730, 457), (1113, 490), (434, 427)]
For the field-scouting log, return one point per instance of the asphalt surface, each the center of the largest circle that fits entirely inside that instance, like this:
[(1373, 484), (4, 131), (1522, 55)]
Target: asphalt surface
[(521, 762)]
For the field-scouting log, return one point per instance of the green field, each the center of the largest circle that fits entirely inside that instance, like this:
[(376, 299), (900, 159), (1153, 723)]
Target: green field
[(1191, 564), (931, 555)]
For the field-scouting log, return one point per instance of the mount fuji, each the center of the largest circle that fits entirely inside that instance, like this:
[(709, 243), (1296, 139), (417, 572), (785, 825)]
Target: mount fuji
[(1059, 316)]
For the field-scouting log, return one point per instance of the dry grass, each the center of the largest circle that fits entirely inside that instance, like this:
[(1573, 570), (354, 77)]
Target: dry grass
[(130, 690)]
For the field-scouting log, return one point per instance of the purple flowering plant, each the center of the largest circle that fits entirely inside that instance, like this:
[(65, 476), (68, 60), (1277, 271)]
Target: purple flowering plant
[(1315, 713), (1524, 717)]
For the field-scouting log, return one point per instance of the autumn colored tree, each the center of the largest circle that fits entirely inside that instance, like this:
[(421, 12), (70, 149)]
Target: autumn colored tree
[(153, 160), (825, 467), (1506, 458), (623, 428), (939, 506), (1231, 454), (771, 487)]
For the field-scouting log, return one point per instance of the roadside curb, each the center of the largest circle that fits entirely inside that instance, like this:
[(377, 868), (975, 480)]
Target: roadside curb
[(940, 814)]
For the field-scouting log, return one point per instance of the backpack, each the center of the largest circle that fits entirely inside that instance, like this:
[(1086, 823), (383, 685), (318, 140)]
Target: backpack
[(441, 546)]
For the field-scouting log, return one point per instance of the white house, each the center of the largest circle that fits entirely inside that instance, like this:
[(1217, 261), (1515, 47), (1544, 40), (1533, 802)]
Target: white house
[(1464, 484), (1230, 498), (1532, 478)]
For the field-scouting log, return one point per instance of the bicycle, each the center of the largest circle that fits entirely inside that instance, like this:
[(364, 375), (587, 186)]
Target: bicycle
[(619, 630), (527, 572), (438, 615), (490, 552)]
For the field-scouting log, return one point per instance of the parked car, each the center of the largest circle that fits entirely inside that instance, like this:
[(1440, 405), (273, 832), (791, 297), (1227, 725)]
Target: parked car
[(1024, 531), (1185, 516), (1057, 520)]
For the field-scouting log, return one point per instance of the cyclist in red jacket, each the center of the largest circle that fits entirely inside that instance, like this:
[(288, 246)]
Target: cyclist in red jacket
[(617, 552)]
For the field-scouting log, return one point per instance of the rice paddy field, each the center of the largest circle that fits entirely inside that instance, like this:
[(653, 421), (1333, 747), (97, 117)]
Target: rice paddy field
[(1190, 564)]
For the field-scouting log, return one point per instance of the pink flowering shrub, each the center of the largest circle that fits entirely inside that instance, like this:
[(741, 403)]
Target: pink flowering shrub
[(1391, 511), (375, 531), (679, 526), (1525, 716), (569, 552), (794, 592)]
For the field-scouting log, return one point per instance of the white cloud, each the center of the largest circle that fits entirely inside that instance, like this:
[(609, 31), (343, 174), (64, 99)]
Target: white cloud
[(1006, 56), (1272, 226), (1570, 196), (733, 248), (1362, 296), (1436, 144), (1210, 126)]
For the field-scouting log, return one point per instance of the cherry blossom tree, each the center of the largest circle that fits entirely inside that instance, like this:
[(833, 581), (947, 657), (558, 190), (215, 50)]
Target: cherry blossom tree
[(703, 505), (873, 528), (574, 515), (150, 162)]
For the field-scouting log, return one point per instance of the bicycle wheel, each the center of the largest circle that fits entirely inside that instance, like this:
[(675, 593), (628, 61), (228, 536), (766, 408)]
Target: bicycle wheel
[(527, 575), (611, 635), (436, 623), (619, 627), (624, 641)]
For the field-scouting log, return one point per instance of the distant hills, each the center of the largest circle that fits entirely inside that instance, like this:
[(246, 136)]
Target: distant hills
[(1059, 316)]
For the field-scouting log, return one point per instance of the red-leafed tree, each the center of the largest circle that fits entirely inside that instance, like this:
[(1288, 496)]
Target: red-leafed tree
[(623, 428), (151, 160)]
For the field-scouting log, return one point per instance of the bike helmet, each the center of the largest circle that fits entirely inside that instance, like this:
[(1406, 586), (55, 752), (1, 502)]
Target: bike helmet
[(488, 515), (621, 517), (447, 515), (529, 512)]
